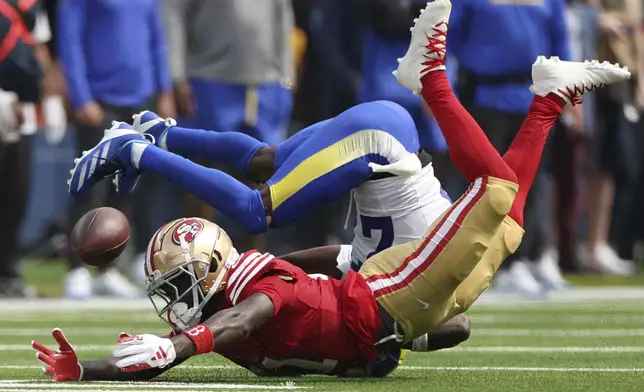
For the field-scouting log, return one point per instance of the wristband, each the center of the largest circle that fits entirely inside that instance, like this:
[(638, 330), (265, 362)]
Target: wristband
[(202, 338)]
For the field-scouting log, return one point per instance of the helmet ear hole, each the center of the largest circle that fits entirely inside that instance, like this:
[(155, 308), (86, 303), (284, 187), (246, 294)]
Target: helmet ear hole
[(215, 259)]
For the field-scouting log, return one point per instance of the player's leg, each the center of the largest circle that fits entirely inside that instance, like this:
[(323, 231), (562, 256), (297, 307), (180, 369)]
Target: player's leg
[(423, 71), (555, 83), (123, 149), (235, 150), (341, 155), (430, 269), (415, 282), (232, 149)]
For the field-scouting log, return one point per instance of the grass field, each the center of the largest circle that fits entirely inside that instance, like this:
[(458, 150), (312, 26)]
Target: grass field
[(587, 340)]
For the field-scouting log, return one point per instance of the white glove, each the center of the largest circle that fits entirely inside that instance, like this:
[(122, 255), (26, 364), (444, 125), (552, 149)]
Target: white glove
[(143, 352), (56, 119)]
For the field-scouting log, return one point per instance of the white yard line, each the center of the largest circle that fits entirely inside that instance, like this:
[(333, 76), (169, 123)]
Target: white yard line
[(69, 388), (86, 331), (555, 332), (594, 320), (479, 349), (416, 368), (39, 385), (587, 296), (521, 369), (71, 332)]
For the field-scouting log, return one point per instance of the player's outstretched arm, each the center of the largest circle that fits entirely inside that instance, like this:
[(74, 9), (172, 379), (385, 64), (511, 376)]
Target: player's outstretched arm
[(222, 331), (63, 364), (227, 328)]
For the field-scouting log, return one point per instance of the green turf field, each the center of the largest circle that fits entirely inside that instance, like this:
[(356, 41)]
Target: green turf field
[(572, 344)]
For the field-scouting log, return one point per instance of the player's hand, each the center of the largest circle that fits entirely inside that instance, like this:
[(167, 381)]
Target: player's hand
[(90, 115), (183, 98), (62, 364), (573, 117), (165, 105), (141, 352)]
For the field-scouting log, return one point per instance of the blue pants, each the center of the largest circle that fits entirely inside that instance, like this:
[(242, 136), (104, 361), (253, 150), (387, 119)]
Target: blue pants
[(313, 167), (262, 112), (329, 158)]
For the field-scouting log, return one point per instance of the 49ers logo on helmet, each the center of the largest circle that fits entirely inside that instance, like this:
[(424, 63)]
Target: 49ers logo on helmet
[(189, 229)]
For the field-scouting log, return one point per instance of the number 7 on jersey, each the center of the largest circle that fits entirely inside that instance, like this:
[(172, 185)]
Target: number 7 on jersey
[(384, 224)]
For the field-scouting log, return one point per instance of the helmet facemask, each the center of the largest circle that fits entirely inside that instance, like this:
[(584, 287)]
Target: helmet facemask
[(180, 294)]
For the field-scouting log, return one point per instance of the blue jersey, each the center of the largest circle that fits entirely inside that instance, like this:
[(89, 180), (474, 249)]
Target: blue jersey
[(332, 157)]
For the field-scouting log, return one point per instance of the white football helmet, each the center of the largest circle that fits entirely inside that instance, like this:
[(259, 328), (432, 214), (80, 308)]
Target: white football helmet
[(186, 263)]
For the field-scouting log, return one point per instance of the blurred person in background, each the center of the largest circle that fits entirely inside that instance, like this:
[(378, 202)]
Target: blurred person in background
[(24, 61), (336, 47), (114, 59), (620, 40), (386, 38), (328, 84), (496, 93), (232, 69), (567, 152)]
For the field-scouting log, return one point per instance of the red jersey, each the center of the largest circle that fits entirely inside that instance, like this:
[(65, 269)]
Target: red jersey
[(321, 324)]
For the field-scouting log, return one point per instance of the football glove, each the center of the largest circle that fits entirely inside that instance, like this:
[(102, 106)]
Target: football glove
[(141, 352), (62, 364)]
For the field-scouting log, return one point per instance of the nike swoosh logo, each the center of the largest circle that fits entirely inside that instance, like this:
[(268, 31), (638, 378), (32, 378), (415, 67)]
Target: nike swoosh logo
[(423, 303)]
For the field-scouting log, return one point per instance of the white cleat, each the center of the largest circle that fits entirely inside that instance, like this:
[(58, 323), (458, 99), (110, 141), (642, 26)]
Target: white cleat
[(78, 284), (570, 79), (113, 284), (518, 279), (547, 271), (427, 48)]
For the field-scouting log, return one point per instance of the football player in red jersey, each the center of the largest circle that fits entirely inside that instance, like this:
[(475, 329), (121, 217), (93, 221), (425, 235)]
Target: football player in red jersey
[(193, 271), (316, 323)]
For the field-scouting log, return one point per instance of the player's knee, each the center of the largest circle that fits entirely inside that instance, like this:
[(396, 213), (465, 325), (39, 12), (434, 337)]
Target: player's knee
[(500, 194)]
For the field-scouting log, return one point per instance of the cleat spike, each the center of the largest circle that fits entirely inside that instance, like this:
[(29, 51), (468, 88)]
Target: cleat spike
[(411, 29), (394, 72), (415, 20), (399, 60), (555, 58), (76, 160)]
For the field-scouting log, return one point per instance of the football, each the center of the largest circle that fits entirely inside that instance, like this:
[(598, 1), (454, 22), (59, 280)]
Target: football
[(100, 236)]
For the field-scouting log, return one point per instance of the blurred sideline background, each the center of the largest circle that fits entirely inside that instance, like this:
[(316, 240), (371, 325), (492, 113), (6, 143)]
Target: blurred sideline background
[(269, 68)]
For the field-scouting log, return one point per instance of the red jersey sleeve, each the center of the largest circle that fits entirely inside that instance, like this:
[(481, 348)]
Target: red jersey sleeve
[(252, 272), (277, 289)]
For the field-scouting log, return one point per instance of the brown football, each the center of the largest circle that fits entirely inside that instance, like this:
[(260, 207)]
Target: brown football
[(100, 236)]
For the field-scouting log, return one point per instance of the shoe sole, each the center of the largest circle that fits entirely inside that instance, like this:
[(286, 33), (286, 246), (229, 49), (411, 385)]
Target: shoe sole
[(543, 62)]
